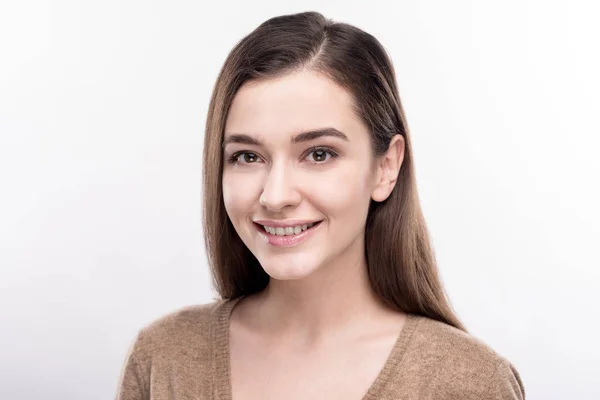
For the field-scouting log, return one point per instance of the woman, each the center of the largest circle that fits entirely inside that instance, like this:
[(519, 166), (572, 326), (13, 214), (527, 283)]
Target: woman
[(317, 243)]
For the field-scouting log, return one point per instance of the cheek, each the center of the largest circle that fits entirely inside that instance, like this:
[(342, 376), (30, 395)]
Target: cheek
[(346, 189), (238, 192)]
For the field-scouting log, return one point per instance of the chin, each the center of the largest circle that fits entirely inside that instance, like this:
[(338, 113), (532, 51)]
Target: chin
[(288, 272)]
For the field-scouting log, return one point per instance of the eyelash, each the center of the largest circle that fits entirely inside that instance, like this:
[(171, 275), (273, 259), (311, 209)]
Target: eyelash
[(333, 154)]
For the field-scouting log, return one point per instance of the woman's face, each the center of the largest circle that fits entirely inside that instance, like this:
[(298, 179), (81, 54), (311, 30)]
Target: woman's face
[(274, 174)]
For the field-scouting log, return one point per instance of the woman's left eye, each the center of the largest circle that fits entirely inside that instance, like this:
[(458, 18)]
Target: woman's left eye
[(319, 154)]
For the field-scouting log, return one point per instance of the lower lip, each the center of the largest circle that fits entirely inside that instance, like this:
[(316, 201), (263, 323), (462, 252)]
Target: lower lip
[(287, 241)]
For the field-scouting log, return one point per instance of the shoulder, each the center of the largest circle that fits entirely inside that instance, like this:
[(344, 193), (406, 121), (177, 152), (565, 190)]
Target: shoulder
[(174, 347), (457, 364), (182, 330), (450, 342)]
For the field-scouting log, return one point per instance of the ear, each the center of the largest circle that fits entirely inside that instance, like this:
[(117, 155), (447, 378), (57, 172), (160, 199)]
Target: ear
[(388, 168)]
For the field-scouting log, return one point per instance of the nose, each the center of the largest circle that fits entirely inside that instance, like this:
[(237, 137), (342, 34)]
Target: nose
[(279, 190)]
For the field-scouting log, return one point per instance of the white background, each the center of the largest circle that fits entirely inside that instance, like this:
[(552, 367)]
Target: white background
[(102, 110)]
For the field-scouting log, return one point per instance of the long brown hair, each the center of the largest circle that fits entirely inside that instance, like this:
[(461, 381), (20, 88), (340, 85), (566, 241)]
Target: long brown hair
[(401, 263)]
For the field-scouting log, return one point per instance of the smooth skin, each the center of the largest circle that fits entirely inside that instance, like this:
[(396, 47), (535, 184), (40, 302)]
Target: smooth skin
[(317, 330)]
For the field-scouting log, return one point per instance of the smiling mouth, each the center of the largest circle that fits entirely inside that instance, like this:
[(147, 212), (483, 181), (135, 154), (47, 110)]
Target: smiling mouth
[(288, 231)]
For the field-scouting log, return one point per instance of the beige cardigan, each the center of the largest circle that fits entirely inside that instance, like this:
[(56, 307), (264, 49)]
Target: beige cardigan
[(185, 355)]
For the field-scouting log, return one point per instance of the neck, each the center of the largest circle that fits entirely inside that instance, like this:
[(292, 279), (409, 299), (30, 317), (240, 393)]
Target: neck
[(334, 300)]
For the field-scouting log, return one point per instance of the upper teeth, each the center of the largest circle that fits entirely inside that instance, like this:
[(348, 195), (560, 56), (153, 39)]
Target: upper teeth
[(289, 230)]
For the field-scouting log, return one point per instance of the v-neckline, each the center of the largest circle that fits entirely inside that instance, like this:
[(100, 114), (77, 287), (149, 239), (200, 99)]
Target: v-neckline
[(221, 363)]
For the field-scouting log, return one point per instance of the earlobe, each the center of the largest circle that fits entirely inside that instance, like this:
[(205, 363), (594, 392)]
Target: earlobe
[(378, 196)]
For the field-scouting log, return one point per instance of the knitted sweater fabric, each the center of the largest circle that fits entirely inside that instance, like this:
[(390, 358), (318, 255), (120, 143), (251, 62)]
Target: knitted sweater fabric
[(184, 355)]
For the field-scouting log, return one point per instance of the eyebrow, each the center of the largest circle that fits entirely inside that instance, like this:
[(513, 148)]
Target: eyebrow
[(301, 137)]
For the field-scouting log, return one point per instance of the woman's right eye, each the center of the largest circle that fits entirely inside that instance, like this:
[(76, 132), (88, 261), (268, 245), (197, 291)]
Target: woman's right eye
[(248, 157)]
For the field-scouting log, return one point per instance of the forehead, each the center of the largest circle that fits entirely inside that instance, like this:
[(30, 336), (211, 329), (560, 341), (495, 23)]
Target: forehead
[(295, 102)]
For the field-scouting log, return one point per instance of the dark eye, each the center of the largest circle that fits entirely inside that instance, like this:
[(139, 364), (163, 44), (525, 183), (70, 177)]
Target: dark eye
[(319, 155), (248, 158)]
